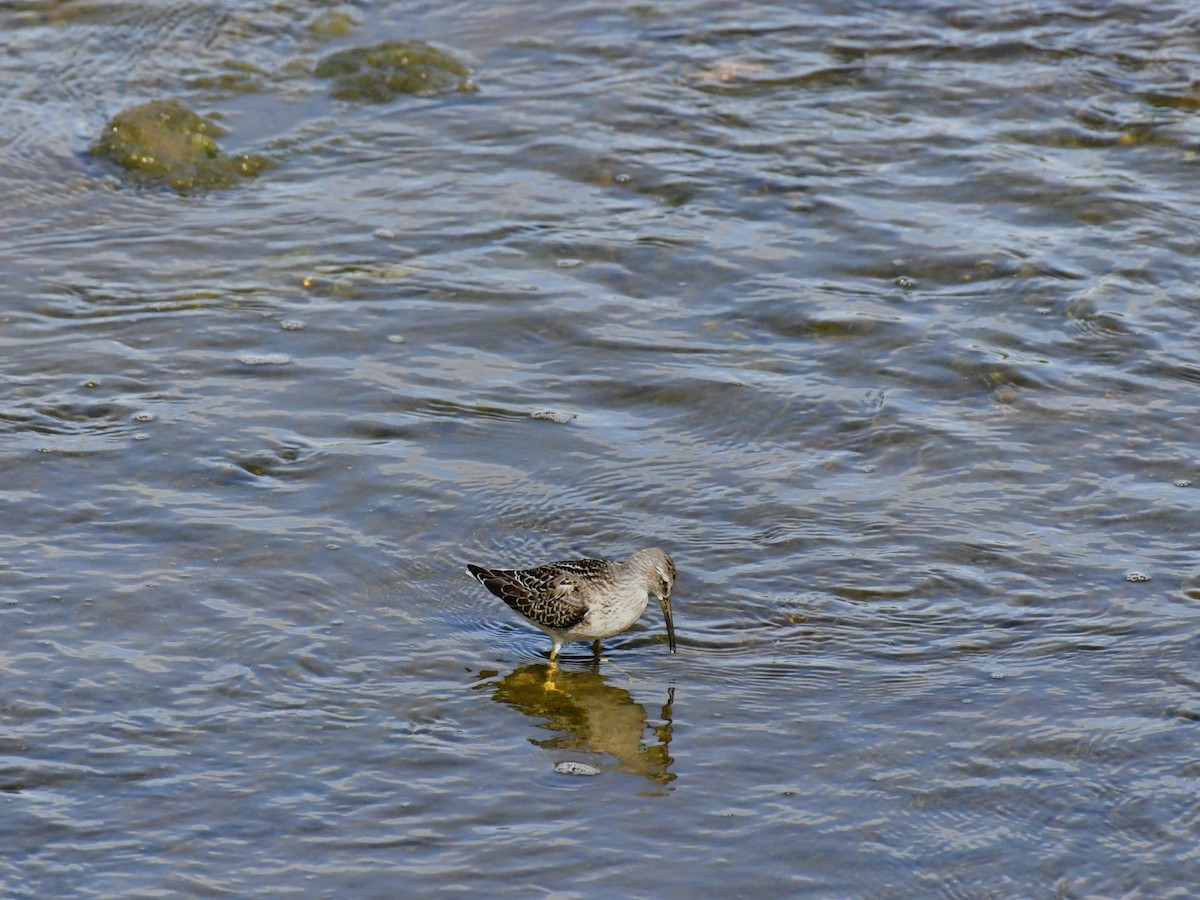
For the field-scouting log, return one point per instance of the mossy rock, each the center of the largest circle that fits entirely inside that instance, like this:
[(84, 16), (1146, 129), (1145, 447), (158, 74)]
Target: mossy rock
[(383, 72), (164, 143)]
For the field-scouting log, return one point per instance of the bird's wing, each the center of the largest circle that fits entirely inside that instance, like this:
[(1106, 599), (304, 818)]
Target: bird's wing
[(545, 595), (587, 568)]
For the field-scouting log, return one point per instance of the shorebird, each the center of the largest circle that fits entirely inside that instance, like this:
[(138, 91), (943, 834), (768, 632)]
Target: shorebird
[(585, 599)]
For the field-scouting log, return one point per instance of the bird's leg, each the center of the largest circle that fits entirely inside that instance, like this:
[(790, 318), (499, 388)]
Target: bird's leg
[(548, 684), (596, 647)]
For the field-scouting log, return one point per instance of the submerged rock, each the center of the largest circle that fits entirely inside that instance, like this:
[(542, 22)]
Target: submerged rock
[(380, 73), (164, 142)]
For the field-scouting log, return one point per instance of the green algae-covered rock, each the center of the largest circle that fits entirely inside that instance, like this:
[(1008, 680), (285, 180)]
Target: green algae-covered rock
[(164, 142), (380, 73)]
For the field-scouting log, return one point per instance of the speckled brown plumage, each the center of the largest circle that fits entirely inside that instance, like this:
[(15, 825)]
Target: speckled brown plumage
[(546, 595)]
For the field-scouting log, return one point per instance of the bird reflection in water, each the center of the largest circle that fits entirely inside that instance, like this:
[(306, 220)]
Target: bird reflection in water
[(588, 715)]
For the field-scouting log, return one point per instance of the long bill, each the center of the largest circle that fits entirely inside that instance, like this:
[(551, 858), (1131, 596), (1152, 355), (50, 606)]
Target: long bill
[(665, 603)]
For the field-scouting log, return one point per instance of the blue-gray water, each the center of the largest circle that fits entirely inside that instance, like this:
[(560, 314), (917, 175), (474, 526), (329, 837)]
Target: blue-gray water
[(881, 318)]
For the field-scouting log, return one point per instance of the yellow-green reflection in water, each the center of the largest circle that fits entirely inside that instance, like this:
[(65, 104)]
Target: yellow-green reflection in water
[(586, 714)]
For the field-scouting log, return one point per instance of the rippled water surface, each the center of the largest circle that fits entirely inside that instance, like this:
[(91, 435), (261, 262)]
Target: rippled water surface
[(881, 318)]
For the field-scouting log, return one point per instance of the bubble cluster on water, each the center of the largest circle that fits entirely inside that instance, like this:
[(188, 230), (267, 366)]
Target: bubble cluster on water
[(570, 767), (264, 359), (549, 415)]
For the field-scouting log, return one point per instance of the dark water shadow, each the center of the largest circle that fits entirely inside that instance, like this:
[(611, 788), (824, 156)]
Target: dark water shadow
[(587, 715)]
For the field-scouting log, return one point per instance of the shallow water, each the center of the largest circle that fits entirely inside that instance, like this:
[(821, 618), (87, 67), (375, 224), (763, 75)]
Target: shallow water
[(880, 319)]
